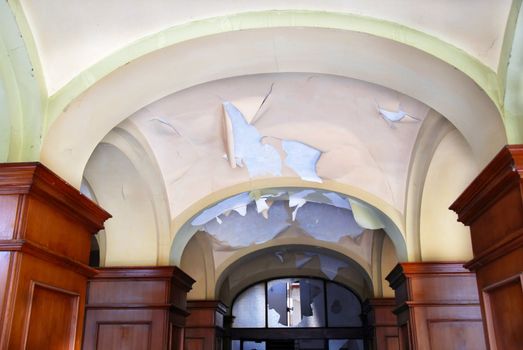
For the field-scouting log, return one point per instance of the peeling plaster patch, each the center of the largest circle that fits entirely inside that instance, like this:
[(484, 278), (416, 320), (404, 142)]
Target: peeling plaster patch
[(365, 215), (298, 200), (233, 203), (260, 159), (394, 116), (242, 231), (330, 266), (328, 223), (302, 159), (337, 200)]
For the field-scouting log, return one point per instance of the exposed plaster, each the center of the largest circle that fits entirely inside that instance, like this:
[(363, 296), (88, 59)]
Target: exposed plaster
[(260, 159)]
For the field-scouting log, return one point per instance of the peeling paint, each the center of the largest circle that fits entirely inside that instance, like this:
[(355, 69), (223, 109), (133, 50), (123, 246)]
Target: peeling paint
[(260, 159), (302, 159)]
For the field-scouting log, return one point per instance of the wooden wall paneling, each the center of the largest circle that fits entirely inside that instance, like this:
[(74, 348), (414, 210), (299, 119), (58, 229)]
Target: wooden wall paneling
[(492, 206), (45, 231), (437, 306), (204, 326), (382, 320), (142, 307)]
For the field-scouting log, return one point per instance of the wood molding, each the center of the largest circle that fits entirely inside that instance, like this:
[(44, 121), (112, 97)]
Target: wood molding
[(36, 179), (208, 304), (44, 250), (434, 303), (124, 297), (406, 269), (493, 208), (44, 253), (180, 278), (506, 245), (502, 173)]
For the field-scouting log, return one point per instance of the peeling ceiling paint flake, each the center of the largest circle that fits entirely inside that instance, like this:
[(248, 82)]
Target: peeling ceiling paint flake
[(394, 116), (330, 266), (337, 200), (235, 202), (366, 216), (246, 147), (302, 159), (297, 200)]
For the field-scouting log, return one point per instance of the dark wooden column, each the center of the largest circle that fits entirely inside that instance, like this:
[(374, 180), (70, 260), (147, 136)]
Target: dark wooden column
[(437, 306), (204, 326), (45, 233), (136, 308), (382, 320), (493, 208)]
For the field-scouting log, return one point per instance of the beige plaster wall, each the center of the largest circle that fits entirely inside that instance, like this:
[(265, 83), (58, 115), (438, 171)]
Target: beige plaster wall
[(442, 238)]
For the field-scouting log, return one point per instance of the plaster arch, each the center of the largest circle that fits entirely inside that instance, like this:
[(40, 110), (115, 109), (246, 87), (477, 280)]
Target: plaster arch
[(365, 57), (390, 217), (364, 289)]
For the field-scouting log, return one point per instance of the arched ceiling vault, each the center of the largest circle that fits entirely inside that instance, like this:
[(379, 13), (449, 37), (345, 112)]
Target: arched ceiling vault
[(77, 45), (351, 54), (77, 76)]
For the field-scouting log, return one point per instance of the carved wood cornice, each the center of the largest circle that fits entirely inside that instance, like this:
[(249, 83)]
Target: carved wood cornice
[(37, 180), (503, 173)]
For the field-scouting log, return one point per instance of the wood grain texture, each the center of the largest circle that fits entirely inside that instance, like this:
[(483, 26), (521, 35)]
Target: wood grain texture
[(437, 306), (382, 320), (493, 208), (129, 303), (45, 231), (204, 326)]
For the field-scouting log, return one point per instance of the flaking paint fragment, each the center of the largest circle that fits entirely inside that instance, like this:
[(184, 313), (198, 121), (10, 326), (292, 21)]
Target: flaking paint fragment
[(238, 201), (260, 159), (302, 159), (297, 200), (337, 200), (394, 116), (327, 223), (330, 266), (238, 231)]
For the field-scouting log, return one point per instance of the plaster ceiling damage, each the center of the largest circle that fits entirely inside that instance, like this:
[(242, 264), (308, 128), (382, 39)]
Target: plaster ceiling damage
[(222, 133), (254, 217)]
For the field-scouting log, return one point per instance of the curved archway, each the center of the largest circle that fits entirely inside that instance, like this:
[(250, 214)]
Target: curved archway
[(364, 57), (389, 217)]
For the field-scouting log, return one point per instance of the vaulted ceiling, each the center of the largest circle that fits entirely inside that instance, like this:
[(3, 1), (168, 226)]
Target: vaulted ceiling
[(161, 110)]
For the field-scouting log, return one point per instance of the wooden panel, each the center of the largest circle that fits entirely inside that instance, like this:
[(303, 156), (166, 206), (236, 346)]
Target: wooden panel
[(111, 291), (45, 231), (205, 323), (124, 299), (493, 208), (59, 227), (437, 307), (380, 316), (52, 318), (194, 344), (5, 259), (501, 300), (455, 334), (112, 319), (391, 343), (124, 336), (8, 212)]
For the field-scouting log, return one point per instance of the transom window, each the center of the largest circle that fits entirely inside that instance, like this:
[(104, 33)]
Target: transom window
[(296, 303)]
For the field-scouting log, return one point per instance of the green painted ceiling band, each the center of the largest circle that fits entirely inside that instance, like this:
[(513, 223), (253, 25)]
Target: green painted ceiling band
[(485, 77), (23, 95), (513, 112)]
